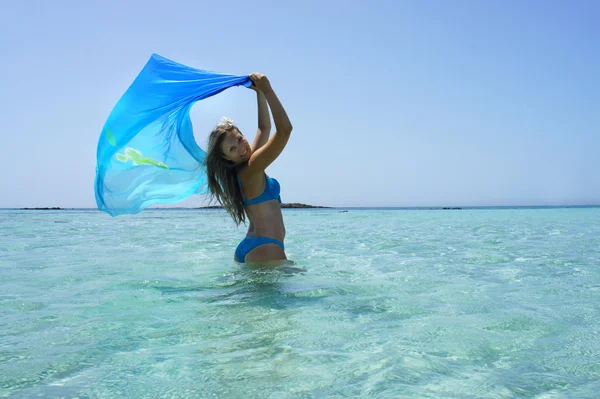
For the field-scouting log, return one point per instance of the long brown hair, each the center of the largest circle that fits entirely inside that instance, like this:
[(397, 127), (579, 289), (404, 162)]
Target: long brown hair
[(223, 174)]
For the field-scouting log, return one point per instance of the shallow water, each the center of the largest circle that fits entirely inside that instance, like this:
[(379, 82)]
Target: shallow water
[(496, 303)]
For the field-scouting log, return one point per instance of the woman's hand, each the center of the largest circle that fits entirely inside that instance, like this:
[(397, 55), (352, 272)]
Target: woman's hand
[(260, 82)]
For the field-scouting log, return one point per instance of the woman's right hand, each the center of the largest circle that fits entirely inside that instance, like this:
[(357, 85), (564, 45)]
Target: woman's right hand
[(261, 82)]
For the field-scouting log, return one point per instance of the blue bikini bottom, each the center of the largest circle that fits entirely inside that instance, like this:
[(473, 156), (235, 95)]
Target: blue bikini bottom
[(249, 243)]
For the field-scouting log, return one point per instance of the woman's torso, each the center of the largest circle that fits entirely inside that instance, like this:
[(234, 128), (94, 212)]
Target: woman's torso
[(262, 205)]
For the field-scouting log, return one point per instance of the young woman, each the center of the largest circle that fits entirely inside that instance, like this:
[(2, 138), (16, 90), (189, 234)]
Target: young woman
[(237, 178)]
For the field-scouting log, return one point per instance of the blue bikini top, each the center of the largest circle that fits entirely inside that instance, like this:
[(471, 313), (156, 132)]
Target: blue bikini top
[(271, 192)]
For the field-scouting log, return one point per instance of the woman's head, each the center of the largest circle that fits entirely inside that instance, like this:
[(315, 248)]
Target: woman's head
[(235, 147), (228, 142), (227, 151)]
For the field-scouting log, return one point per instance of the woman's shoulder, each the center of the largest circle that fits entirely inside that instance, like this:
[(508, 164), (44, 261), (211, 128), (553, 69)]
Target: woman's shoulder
[(248, 174)]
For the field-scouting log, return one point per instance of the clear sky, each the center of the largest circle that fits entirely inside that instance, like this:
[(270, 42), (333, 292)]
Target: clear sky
[(394, 103)]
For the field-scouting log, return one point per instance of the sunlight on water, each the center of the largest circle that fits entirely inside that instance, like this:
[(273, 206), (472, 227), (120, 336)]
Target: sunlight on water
[(377, 303)]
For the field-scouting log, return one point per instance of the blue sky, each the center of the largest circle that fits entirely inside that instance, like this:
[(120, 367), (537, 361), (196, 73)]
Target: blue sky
[(394, 103)]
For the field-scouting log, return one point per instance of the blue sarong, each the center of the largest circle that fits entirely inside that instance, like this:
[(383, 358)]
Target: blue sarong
[(146, 152)]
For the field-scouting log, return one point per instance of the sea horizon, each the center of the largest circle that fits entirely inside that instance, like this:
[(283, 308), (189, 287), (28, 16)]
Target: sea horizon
[(322, 207)]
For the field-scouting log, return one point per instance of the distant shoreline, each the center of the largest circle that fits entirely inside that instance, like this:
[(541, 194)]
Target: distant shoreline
[(356, 208), (293, 205), (54, 208)]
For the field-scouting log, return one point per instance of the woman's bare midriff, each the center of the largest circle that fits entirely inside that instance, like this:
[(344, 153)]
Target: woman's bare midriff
[(266, 220)]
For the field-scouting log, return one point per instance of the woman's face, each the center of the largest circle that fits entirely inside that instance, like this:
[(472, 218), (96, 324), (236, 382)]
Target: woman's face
[(235, 148)]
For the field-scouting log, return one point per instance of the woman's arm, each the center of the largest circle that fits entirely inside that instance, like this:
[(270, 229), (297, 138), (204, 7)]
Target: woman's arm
[(266, 154), (264, 121), (282, 122)]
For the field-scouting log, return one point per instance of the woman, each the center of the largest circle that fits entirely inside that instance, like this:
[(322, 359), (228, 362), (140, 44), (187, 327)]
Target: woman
[(237, 178)]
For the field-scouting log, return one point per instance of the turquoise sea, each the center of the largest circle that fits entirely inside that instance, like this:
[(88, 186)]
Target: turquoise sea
[(414, 303)]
